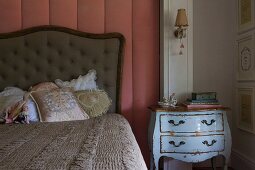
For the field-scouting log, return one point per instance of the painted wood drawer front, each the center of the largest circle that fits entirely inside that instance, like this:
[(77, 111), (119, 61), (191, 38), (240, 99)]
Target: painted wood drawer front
[(191, 144), (191, 123)]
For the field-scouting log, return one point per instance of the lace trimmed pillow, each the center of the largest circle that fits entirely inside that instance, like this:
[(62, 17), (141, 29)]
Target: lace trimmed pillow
[(94, 102), (57, 105), (85, 82)]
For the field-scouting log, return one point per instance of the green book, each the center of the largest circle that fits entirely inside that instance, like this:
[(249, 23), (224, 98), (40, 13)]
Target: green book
[(204, 101), (204, 96)]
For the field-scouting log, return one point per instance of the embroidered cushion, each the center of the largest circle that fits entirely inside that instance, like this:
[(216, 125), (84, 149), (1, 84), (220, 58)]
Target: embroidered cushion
[(58, 105), (94, 102), (84, 82)]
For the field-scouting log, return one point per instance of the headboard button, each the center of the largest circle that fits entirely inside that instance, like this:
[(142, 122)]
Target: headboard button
[(48, 44), (26, 44), (15, 68), (72, 61), (82, 52), (26, 60), (37, 52), (4, 60), (94, 61), (49, 61)]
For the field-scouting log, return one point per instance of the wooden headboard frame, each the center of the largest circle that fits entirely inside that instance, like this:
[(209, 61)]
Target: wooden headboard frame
[(46, 53)]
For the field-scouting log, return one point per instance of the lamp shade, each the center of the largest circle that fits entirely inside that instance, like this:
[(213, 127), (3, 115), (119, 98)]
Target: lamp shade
[(181, 18)]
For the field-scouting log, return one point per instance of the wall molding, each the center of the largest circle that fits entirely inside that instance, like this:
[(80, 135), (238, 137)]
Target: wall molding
[(240, 161)]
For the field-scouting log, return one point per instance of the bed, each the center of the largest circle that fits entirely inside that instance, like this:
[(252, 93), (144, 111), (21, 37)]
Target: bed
[(43, 54)]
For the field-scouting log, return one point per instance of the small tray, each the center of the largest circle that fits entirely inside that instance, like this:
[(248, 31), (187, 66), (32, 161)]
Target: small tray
[(164, 104)]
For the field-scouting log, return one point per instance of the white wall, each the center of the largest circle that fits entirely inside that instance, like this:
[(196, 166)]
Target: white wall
[(176, 70), (214, 50)]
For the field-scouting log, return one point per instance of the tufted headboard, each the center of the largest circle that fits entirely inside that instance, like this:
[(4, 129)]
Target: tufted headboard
[(46, 53)]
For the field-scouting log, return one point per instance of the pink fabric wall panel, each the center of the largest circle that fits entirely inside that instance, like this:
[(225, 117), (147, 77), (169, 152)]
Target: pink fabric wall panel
[(145, 67), (119, 19), (10, 15), (91, 16), (39, 10), (63, 13), (137, 20)]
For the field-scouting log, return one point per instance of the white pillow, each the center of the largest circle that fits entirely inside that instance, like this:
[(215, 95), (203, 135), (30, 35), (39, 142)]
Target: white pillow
[(9, 97), (12, 91), (85, 82)]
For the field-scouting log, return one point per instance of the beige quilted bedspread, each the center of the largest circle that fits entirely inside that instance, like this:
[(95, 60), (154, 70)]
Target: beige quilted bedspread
[(106, 142)]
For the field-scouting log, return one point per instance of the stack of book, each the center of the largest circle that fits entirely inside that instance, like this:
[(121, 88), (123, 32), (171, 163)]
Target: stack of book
[(205, 100)]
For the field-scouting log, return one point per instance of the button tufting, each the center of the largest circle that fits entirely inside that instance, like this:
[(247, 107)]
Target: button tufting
[(48, 44), (106, 51), (49, 60), (94, 61), (4, 77), (27, 77), (82, 52), (26, 44), (37, 69), (49, 75), (61, 69), (4, 60), (37, 52), (106, 69), (59, 52), (15, 67), (26, 60), (72, 61)]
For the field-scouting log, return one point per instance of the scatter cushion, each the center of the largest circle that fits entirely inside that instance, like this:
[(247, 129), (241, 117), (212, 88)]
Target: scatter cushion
[(85, 82), (9, 97), (12, 91), (94, 102), (57, 105), (43, 86), (31, 109), (15, 113)]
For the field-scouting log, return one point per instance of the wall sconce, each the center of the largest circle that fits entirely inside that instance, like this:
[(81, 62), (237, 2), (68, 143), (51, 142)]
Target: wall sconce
[(182, 24)]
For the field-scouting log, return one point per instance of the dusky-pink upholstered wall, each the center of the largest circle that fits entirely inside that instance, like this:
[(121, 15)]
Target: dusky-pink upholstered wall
[(137, 20)]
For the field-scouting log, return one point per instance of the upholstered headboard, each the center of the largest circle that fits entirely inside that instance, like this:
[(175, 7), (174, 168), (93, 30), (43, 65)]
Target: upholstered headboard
[(46, 53)]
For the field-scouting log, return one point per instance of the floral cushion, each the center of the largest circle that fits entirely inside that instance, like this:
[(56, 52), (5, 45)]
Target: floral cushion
[(94, 102), (58, 105)]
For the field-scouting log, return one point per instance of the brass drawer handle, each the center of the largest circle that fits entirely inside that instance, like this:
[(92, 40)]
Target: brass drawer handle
[(176, 124), (207, 144), (173, 143), (208, 124)]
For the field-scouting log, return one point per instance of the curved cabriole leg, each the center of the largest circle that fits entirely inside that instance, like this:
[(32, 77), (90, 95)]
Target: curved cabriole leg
[(225, 163), (156, 162)]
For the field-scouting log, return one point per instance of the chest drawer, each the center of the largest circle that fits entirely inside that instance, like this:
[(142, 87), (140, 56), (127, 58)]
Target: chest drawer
[(191, 123), (191, 144)]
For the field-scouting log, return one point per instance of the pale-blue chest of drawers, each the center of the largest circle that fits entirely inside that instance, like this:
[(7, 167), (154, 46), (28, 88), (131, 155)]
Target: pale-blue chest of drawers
[(188, 135)]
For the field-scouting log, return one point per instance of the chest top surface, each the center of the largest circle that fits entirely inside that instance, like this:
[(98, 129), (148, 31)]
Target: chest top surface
[(157, 108)]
